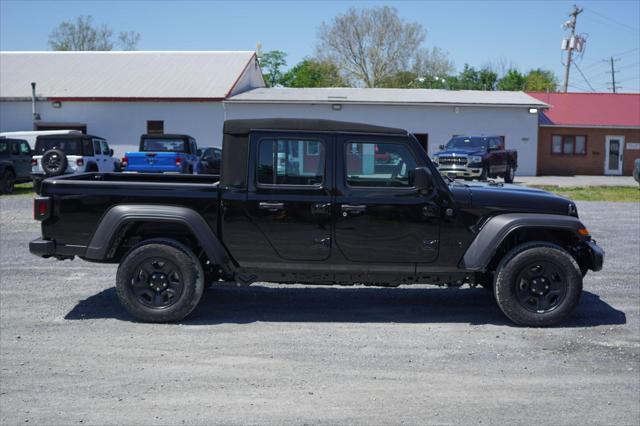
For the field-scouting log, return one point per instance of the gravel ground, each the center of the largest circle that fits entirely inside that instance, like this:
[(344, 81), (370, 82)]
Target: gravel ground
[(69, 354), (578, 180)]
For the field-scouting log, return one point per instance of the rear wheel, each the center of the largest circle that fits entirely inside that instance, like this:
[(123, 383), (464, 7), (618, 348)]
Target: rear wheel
[(538, 284), (7, 182), (160, 281)]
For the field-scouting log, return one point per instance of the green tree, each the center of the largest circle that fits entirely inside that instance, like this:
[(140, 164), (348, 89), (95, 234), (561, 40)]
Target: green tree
[(512, 80), (540, 80), (271, 64), (312, 73), (401, 80), (83, 35)]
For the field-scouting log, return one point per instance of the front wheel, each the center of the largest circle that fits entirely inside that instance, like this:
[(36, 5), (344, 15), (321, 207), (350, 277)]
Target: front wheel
[(160, 281), (538, 284), (509, 174), (483, 175)]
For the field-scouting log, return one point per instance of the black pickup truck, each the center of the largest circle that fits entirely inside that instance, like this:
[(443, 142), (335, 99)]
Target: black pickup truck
[(318, 202)]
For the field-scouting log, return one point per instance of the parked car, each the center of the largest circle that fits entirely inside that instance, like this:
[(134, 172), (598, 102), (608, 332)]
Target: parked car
[(60, 154), (210, 161), (335, 218), (636, 170), (164, 154), (15, 163), (478, 157)]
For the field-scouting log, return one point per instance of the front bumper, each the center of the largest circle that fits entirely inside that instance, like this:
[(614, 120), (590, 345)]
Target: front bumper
[(595, 255), (460, 171)]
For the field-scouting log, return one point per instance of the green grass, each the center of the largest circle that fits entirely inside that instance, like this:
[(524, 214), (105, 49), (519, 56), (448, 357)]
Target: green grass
[(22, 189), (596, 193)]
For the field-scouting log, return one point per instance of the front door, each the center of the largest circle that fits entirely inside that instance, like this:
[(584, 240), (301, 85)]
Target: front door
[(614, 146), (289, 193), (380, 216)]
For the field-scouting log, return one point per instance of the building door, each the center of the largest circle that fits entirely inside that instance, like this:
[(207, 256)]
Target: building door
[(613, 155)]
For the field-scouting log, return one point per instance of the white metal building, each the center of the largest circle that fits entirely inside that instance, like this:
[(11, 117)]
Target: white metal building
[(121, 95), (433, 115)]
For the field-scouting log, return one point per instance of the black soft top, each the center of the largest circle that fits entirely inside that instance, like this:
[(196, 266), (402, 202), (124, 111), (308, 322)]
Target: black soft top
[(165, 136), (243, 127), (67, 136)]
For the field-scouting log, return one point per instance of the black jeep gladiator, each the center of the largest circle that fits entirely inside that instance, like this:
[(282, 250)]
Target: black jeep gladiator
[(318, 202)]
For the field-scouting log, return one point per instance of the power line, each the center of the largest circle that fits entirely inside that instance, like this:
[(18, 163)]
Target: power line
[(583, 77), (636, 30)]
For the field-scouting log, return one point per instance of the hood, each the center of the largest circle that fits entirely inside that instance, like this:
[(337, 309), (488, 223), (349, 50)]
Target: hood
[(515, 198), (462, 151)]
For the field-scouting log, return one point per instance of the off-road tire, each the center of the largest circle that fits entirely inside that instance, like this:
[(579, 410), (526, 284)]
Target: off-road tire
[(190, 271), (7, 182), (483, 175), (509, 174), (54, 166), (517, 260), (37, 186), (92, 168)]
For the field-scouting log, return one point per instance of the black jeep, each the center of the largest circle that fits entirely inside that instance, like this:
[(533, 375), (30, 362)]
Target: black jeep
[(319, 202)]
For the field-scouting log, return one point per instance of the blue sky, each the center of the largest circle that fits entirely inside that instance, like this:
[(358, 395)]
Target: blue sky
[(525, 33)]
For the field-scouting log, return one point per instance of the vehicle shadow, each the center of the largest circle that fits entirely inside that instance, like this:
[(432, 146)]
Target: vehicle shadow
[(242, 305)]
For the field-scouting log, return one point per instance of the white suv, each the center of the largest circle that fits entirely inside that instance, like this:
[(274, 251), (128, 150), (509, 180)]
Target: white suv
[(56, 155)]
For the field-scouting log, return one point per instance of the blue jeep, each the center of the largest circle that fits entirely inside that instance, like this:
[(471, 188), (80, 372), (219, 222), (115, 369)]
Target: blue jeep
[(164, 154)]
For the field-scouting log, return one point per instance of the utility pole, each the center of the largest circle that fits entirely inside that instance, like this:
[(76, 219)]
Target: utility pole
[(613, 74), (571, 44)]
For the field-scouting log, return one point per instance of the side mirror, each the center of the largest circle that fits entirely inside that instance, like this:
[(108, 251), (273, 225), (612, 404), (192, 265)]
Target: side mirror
[(422, 179), (441, 147), (110, 152)]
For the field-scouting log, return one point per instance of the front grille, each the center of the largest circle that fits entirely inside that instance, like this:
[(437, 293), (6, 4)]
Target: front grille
[(458, 161)]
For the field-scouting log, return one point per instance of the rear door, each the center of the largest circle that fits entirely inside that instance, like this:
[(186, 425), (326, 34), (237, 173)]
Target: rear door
[(97, 154), (381, 217), (289, 193), (497, 156)]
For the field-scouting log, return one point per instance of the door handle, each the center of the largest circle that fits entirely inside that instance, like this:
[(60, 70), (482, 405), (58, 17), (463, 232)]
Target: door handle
[(271, 206), (353, 208)]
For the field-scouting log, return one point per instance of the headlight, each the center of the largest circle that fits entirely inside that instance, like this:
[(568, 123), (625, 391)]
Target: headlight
[(475, 159)]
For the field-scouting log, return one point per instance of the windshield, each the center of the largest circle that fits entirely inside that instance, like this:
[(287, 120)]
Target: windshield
[(163, 145), (69, 147), (466, 142)]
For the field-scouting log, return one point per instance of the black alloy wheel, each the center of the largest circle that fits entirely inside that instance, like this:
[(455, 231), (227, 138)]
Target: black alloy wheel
[(157, 283), (54, 162), (510, 174), (541, 286), (7, 182)]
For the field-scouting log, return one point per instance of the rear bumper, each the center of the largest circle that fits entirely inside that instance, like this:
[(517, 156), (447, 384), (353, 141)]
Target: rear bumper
[(596, 255), (49, 248)]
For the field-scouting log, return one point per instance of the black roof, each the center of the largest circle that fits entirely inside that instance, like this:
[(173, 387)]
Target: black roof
[(165, 136), (239, 127), (67, 136)]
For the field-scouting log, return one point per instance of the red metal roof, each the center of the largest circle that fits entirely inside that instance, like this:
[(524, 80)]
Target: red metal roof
[(590, 109)]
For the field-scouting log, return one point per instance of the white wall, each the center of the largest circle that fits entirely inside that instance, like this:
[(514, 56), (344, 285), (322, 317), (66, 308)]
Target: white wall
[(122, 123), (441, 122), (250, 78)]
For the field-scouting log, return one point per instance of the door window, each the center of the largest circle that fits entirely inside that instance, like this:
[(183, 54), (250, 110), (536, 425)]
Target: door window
[(14, 148), (290, 162), (371, 164), (105, 148), (614, 154), (96, 147), (24, 148)]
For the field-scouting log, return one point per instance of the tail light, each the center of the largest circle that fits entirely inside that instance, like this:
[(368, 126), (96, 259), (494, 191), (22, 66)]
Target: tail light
[(41, 208), (124, 162), (34, 162), (178, 161), (80, 162)]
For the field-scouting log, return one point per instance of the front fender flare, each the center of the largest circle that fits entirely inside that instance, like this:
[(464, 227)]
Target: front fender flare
[(493, 233), (120, 215)]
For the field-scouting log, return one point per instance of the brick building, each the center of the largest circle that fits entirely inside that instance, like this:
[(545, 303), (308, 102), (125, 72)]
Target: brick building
[(588, 133)]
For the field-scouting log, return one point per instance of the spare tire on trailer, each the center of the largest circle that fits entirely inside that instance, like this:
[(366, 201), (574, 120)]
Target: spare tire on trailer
[(54, 162)]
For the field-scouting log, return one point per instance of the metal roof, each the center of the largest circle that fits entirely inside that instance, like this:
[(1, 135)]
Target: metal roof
[(387, 96), (590, 109), (117, 75), (244, 126)]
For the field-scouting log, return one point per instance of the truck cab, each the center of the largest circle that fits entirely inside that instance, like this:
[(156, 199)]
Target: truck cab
[(166, 153)]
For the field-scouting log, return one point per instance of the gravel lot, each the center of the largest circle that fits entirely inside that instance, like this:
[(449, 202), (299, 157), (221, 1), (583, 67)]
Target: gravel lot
[(278, 354)]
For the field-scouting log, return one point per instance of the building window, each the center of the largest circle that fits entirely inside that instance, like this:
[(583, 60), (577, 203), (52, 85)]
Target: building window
[(569, 145), (155, 127)]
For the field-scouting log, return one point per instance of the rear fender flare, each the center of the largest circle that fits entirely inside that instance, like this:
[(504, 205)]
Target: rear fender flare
[(498, 228), (119, 216)]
